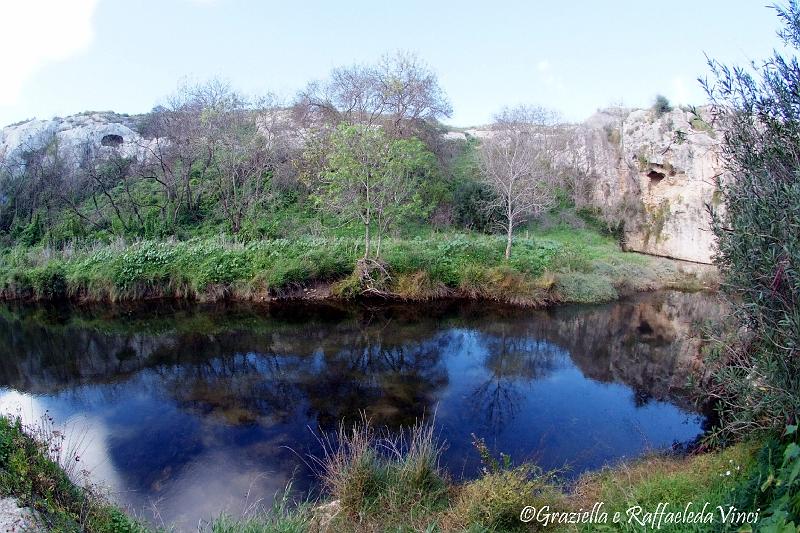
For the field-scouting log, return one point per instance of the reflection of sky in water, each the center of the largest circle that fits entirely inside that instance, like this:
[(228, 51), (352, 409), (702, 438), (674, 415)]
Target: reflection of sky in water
[(191, 439)]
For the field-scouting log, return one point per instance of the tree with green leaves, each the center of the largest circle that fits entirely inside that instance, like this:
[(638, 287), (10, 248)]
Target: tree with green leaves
[(374, 179), (757, 378)]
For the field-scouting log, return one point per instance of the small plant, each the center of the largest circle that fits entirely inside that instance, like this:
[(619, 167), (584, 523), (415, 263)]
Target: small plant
[(661, 105), (493, 502)]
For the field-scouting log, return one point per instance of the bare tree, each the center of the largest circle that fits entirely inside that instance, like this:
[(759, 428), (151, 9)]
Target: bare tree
[(398, 92), (249, 147), (516, 160), (181, 150), (410, 92)]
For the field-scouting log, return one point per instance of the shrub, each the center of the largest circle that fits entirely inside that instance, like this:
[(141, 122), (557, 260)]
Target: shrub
[(494, 501), (661, 105), (49, 282), (390, 476), (759, 242)]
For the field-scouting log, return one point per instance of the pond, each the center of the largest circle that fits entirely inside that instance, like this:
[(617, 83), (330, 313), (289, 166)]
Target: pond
[(183, 411)]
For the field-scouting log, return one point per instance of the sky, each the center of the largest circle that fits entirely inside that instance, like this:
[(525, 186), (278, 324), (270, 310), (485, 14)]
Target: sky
[(59, 57)]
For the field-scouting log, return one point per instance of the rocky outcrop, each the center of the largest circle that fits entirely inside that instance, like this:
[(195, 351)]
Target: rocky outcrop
[(69, 136), (662, 173), (657, 173)]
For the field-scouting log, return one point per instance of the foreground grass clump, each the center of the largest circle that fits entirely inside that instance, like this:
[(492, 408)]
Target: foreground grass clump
[(381, 478), (554, 266), (29, 472)]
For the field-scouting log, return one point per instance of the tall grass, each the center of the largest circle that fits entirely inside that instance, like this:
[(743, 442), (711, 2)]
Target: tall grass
[(571, 266), (376, 476)]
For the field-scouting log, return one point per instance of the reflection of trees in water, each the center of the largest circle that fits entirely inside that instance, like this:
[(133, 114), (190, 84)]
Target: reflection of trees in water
[(384, 359), (337, 361), (513, 359), (266, 371), (356, 367)]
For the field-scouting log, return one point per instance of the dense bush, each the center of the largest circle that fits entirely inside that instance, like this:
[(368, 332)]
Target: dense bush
[(758, 382), (661, 105)]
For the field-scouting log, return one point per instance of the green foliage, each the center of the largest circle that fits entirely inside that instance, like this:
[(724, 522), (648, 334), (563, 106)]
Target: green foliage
[(774, 484), (471, 207), (28, 473), (759, 242), (374, 179), (661, 105), (472, 199)]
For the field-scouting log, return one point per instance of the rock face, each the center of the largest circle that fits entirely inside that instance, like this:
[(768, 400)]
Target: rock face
[(657, 172), (98, 131), (663, 171)]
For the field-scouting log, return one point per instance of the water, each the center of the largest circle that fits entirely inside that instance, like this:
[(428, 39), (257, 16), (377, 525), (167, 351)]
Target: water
[(184, 411)]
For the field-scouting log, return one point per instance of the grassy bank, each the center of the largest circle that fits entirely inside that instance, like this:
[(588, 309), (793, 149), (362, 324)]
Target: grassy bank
[(30, 472), (556, 266), (379, 482)]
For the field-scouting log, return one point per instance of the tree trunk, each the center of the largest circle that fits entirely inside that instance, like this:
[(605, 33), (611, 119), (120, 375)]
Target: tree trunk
[(378, 247), (366, 241), (508, 241)]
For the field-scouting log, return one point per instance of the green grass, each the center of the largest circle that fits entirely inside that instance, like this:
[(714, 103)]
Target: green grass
[(560, 265), (714, 477), (29, 472)]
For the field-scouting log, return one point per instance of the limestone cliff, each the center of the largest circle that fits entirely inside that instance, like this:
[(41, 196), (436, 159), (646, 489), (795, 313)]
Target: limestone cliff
[(99, 131), (666, 168), (658, 173)]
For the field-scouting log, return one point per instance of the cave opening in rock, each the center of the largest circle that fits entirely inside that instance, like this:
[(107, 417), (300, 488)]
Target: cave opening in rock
[(655, 176), (111, 140), (645, 328)]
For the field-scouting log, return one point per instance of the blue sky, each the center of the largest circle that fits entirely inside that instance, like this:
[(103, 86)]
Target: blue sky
[(65, 56)]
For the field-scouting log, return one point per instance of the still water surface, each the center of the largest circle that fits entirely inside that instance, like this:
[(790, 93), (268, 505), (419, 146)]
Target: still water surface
[(184, 411)]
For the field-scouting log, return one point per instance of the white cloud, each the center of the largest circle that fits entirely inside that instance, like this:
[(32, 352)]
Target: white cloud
[(543, 65), (36, 32)]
